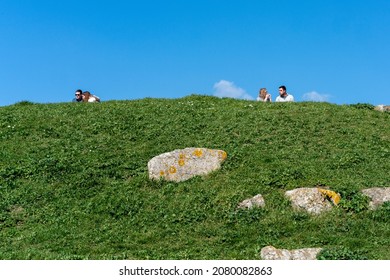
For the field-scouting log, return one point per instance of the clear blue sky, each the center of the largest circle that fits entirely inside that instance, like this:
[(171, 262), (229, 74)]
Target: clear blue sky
[(331, 50)]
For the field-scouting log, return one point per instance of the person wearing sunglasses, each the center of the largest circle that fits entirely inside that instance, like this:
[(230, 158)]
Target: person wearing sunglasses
[(78, 96)]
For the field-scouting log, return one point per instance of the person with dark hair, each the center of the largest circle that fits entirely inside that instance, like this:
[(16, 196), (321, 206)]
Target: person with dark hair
[(284, 96), (78, 96)]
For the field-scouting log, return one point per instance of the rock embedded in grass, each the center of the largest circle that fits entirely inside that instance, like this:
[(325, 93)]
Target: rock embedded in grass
[(183, 164), (378, 196), (313, 200), (256, 201), (271, 253)]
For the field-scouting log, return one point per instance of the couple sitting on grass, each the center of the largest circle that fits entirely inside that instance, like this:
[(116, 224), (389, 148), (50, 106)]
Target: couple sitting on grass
[(85, 96), (283, 95)]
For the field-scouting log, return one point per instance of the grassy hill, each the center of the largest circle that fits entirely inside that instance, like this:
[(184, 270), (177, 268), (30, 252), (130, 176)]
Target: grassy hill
[(74, 181)]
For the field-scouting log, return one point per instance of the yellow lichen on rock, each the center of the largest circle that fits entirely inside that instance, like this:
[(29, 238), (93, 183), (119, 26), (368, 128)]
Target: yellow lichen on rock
[(183, 164), (182, 158), (172, 169), (198, 153), (222, 154), (333, 196)]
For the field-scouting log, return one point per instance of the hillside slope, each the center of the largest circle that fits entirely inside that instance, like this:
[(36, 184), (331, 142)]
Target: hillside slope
[(74, 181)]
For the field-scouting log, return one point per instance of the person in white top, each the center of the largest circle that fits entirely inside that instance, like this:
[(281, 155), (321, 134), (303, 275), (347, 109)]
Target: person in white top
[(264, 95), (284, 96), (88, 97)]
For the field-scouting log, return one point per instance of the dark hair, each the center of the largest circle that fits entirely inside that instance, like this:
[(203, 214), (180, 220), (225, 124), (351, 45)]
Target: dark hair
[(283, 87), (79, 91)]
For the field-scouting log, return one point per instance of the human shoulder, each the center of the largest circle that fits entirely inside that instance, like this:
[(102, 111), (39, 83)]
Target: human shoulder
[(95, 98), (290, 98)]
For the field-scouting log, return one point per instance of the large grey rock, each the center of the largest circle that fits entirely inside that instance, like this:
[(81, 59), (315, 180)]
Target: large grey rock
[(181, 165), (312, 200), (271, 253), (256, 201), (378, 196)]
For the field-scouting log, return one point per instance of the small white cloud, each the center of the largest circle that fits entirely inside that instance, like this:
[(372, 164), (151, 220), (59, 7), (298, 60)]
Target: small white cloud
[(229, 89), (316, 97)]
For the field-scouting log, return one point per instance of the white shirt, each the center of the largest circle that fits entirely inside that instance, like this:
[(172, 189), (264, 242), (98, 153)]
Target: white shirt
[(287, 98), (261, 99), (92, 98)]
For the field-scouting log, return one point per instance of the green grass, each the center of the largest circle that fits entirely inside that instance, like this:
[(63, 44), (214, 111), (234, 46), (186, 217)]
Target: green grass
[(74, 181)]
